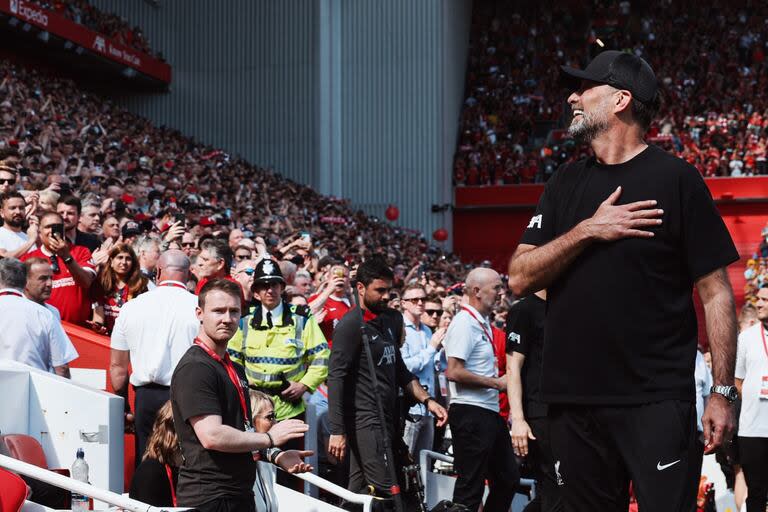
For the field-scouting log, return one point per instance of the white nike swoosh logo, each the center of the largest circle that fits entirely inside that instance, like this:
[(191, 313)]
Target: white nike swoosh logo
[(661, 467), (374, 338)]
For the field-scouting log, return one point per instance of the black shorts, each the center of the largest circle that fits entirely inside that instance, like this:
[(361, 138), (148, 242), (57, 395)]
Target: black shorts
[(598, 450)]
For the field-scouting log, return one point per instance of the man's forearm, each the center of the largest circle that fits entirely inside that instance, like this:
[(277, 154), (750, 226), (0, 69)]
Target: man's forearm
[(416, 390), (463, 376), (515, 393), (119, 379), (720, 316), (537, 268), (224, 438), (81, 276)]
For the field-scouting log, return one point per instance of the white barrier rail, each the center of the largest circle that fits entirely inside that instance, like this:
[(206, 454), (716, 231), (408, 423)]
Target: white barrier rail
[(72, 485), (345, 494)]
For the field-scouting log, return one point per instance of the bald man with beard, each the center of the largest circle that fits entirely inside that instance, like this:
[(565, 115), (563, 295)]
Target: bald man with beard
[(481, 442), (152, 333)]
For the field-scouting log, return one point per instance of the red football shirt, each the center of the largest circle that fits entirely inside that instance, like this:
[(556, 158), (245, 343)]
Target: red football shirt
[(334, 312), (500, 349), (72, 300)]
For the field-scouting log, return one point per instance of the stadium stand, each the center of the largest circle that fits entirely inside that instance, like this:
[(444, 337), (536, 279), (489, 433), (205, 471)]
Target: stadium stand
[(714, 110)]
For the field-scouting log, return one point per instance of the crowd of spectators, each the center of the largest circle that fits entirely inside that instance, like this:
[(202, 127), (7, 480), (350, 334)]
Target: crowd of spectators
[(709, 57), (135, 179), (111, 25)]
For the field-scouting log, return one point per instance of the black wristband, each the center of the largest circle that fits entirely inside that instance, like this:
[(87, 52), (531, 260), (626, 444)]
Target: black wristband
[(271, 441)]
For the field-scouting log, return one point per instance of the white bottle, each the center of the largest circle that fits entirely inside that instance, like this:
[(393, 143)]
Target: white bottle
[(80, 473)]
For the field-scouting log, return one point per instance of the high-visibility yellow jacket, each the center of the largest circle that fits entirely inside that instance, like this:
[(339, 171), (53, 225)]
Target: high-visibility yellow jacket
[(294, 350)]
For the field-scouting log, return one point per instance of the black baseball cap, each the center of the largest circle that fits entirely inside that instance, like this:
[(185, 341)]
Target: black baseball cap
[(621, 70)]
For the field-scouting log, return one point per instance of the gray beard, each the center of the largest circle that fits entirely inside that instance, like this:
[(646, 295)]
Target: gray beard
[(588, 129)]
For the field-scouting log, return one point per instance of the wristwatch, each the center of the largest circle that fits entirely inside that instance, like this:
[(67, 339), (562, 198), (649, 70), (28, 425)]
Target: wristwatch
[(729, 392)]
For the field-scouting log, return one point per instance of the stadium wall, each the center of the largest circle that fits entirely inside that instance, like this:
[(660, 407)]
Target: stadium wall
[(357, 98)]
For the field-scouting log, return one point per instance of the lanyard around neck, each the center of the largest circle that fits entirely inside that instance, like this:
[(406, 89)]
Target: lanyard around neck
[(230, 368)]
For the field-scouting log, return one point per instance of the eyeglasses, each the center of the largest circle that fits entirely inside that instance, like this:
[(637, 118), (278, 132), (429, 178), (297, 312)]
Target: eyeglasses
[(242, 257), (188, 244), (416, 299), (10, 181), (433, 312), (55, 264), (248, 271)]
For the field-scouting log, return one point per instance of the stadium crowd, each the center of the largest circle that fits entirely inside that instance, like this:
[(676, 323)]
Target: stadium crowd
[(714, 112), (111, 25)]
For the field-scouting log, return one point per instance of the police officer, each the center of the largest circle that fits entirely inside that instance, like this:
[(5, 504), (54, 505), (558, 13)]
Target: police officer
[(281, 345)]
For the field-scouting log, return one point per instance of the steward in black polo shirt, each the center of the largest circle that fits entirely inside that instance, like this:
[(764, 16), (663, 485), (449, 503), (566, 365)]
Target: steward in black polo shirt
[(619, 240)]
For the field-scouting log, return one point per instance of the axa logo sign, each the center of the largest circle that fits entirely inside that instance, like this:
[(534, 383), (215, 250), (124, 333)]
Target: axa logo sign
[(29, 12), (388, 357), (99, 44), (535, 221)]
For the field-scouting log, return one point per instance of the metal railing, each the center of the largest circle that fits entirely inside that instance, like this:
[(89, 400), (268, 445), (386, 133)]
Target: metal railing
[(73, 485), (361, 499), (131, 505)]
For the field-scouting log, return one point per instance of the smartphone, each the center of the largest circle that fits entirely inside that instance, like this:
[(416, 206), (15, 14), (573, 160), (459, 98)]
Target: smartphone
[(58, 231), (179, 217), (306, 236)]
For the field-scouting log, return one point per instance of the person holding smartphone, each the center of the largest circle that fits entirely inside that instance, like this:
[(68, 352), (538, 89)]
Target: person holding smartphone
[(73, 270)]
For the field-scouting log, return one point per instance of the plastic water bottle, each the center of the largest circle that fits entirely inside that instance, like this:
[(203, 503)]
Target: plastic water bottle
[(80, 473)]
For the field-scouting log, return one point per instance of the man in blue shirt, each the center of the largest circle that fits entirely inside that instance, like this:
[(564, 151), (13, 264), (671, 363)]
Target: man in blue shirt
[(418, 352)]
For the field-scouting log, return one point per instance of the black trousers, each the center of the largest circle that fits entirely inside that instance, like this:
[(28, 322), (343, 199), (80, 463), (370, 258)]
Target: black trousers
[(482, 449), (240, 504), (597, 449), (149, 400), (367, 461), (753, 452), (540, 459)]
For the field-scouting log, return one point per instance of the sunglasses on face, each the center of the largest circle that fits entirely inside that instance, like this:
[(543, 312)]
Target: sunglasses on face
[(433, 312), (188, 244), (9, 181), (242, 257), (416, 299), (247, 271)]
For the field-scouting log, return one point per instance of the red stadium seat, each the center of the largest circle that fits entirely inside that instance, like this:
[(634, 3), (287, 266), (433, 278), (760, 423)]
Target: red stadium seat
[(14, 491), (27, 449)]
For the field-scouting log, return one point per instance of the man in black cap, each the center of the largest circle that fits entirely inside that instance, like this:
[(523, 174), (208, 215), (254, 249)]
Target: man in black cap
[(619, 240), (281, 346), (130, 231)]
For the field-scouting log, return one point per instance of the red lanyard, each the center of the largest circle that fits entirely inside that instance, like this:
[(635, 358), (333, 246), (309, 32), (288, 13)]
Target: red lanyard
[(482, 325), (175, 284), (230, 368), (765, 346), (170, 481), (11, 292)]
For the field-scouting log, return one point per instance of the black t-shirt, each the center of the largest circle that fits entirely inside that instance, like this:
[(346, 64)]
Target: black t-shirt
[(200, 386), (620, 325), (150, 484), (525, 335), (351, 393)]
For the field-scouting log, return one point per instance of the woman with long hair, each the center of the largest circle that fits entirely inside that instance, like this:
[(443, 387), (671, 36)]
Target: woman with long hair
[(154, 481), (120, 280)]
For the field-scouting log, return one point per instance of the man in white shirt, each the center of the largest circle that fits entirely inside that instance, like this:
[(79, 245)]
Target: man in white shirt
[(481, 442), (752, 382), (14, 242), (38, 289), (29, 333), (152, 332)]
